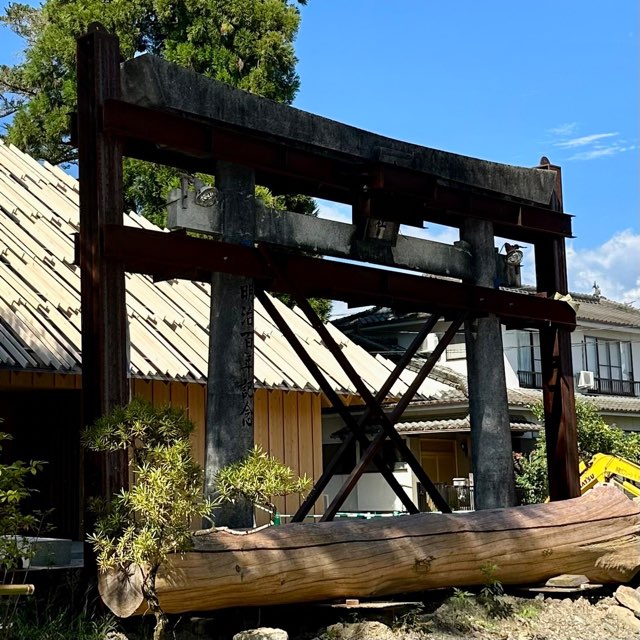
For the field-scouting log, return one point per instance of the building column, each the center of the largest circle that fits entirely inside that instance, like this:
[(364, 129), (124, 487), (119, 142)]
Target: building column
[(558, 393), (229, 428), (492, 457)]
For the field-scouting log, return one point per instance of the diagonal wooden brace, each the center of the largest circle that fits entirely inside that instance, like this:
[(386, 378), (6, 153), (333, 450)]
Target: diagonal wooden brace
[(388, 424), (335, 400), (329, 472)]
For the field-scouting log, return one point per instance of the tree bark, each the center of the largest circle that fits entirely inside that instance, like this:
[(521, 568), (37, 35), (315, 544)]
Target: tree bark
[(597, 535)]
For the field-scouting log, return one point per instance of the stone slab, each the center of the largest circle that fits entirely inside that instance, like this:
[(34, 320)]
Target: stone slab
[(567, 580), (150, 81)]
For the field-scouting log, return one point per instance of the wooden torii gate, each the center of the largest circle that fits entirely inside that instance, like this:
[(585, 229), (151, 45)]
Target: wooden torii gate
[(150, 109)]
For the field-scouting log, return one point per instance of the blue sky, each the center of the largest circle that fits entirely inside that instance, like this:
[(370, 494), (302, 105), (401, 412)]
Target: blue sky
[(501, 80), (504, 81)]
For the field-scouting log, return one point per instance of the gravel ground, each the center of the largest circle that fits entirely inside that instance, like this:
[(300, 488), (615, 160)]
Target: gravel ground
[(524, 619), (458, 617)]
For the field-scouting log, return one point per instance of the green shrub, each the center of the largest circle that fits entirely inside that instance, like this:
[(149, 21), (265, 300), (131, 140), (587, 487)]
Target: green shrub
[(258, 478), (14, 523), (594, 436), (144, 524)]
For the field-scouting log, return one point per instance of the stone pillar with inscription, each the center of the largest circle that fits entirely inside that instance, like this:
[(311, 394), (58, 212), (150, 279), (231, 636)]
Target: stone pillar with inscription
[(492, 457), (229, 429)]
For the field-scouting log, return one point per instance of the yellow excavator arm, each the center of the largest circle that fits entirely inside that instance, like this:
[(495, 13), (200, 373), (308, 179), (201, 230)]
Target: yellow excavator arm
[(608, 469)]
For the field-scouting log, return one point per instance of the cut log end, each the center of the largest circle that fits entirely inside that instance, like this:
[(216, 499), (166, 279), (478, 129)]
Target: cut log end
[(596, 535), (122, 591)]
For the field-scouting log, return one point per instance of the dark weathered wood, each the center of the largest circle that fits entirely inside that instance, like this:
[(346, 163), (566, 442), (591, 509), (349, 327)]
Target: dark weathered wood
[(329, 472), (596, 535), (318, 236), (344, 413), (491, 449), (230, 381), (438, 193), (558, 394), (176, 255), (388, 431), (102, 283)]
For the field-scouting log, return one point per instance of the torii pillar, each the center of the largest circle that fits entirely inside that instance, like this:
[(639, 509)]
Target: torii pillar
[(491, 450), (229, 429), (558, 394)]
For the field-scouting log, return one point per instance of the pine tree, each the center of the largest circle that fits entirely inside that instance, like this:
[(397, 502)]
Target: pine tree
[(245, 43)]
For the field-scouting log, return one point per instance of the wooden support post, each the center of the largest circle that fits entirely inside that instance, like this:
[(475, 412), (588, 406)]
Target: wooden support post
[(229, 429), (558, 393), (375, 410), (492, 456), (388, 425), (102, 282), (356, 427)]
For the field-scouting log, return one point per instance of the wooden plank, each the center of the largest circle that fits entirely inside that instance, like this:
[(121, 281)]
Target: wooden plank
[(64, 381), (142, 389), (276, 434), (558, 394), (178, 256), (316, 427), (306, 405), (160, 393), (291, 439), (261, 437), (22, 379), (43, 380), (178, 396), (5, 378), (102, 280), (261, 418)]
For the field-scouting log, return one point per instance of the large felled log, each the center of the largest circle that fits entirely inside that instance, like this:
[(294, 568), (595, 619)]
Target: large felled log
[(597, 535)]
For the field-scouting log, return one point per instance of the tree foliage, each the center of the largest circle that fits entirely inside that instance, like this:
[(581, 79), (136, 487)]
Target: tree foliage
[(15, 522), (594, 436), (246, 43), (258, 478), (143, 524)]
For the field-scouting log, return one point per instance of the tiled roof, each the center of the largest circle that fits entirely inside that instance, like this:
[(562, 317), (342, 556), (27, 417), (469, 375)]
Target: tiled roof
[(527, 397), (606, 311), (623, 404), (463, 424), (168, 321)]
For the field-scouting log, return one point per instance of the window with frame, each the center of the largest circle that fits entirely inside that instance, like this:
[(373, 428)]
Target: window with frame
[(611, 363), (529, 360), (457, 348)]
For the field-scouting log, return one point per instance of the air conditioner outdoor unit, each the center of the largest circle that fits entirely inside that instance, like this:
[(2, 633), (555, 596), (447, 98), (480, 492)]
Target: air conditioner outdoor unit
[(586, 380)]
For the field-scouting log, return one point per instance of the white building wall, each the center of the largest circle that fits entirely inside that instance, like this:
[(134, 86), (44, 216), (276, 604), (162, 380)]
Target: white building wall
[(372, 493), (510, 345)]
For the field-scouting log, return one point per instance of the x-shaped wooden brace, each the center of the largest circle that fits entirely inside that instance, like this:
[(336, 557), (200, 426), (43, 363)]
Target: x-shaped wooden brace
[(373, 414)]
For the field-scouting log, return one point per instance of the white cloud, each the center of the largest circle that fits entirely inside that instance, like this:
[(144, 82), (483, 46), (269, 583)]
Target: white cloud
[(565, 129), (584, 140), (588, 147), (614, 265), (601, 152)]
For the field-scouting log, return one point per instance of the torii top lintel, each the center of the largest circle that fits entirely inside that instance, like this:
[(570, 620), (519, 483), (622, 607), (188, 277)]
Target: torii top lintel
[(174, 115)]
